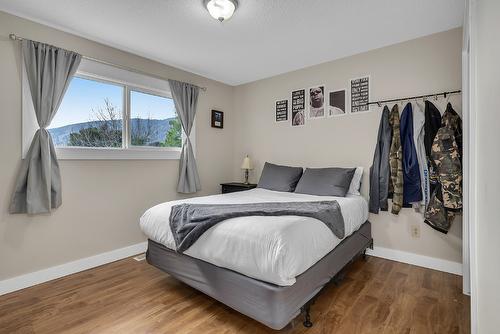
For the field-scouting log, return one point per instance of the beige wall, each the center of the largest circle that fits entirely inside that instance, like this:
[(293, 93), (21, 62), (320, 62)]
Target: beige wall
[(486, 29), (420, 66), (102, 200)]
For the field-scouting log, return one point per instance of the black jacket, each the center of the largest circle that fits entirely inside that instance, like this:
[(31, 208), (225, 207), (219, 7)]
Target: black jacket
[(379, 171), (431, 126)]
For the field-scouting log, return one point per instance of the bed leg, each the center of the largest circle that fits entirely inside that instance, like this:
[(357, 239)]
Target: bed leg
[(307, 320), (370, 245), (339, 277)]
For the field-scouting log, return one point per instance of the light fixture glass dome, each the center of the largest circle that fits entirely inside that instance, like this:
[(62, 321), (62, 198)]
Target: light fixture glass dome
[(221, 9)]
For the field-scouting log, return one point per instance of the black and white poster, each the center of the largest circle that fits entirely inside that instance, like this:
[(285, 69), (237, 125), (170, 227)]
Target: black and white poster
[(317, 101), (360, 94), (336, 104), (281, 110), (298, 107)]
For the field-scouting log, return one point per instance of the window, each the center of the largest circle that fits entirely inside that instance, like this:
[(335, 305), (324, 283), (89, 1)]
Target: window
[(90, 115), (154, 121), (110, 113)]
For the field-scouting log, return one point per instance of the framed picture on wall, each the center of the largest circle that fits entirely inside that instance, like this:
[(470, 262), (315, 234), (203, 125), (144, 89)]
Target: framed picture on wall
[(217, 119), (281, 110), (337, 103), (298, 106), (360, 94), (317, 102)]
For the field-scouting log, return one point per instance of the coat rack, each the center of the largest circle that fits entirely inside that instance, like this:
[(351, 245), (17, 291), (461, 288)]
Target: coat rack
[(445, 94)]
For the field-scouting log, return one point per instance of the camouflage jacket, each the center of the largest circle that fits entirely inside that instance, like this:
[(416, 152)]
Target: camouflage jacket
[(446, 199), (395, 163), (453, 121)]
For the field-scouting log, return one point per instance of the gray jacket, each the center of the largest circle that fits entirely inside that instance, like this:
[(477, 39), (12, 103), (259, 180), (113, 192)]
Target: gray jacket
[(379, 171)]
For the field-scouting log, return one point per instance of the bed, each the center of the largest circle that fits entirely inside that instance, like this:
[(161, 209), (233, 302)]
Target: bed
[(268, 268)]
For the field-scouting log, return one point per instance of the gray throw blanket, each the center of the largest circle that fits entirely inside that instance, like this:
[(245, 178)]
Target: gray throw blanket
[(189, 221)]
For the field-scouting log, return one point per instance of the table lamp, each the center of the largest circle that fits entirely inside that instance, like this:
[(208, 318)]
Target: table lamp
[(246, 166)]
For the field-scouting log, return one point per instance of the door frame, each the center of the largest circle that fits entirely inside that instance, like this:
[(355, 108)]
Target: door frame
[(469, 227)]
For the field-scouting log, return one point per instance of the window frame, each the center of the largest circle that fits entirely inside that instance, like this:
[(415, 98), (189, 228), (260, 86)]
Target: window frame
[(127, 151)]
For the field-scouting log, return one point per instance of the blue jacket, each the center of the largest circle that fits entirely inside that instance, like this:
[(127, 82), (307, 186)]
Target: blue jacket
[(412, 191)]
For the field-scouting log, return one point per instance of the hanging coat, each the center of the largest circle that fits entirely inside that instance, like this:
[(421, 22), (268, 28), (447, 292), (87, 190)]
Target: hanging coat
[(412, 191), (418, 139), (446, 200), (379, 171), (452, 120), (395, 162), (431, 126), (449, 162)]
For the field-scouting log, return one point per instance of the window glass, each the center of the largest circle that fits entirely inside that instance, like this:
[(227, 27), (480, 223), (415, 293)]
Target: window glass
[(90, 115), (153, 121)]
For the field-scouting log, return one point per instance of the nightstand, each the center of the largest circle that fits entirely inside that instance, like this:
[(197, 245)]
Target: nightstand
[(232, 187)]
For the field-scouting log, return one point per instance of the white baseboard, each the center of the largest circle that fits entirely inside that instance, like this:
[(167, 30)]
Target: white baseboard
[(41, 276), (44, 275), (417, 260)]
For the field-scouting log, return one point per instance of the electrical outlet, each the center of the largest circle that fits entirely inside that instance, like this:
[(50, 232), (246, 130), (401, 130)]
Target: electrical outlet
[(415, 231)]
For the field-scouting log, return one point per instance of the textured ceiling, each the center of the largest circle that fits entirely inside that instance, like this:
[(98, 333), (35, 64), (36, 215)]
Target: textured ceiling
[(264, 37)]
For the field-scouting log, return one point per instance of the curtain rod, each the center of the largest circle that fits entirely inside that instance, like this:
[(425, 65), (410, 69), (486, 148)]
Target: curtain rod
[(458, 91), (14, 37)]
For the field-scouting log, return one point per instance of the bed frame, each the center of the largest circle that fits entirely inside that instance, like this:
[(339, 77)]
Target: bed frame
[(272, 305)]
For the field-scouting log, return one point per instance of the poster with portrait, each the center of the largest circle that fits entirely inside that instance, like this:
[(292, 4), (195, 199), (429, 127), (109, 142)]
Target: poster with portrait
[(298, 107), (317, 102), (281, 110), (336, 103), (360, 94)]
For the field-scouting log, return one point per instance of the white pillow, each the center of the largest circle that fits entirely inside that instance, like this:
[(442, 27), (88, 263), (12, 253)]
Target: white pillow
[(356, 182)]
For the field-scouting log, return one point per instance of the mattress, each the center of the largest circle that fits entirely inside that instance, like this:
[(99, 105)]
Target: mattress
[(270, 249)]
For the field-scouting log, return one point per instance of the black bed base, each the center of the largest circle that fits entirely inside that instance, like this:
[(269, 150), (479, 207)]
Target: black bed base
[(272, 305)]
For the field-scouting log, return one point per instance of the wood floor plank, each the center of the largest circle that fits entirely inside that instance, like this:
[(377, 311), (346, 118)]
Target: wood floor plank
[(376, 296)]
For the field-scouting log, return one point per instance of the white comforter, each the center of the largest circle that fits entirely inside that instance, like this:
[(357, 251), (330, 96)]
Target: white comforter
[(271, 249)]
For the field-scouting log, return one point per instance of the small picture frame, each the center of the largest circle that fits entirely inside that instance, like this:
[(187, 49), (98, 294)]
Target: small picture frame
[(281, 111), (217, 119), (337, 105)]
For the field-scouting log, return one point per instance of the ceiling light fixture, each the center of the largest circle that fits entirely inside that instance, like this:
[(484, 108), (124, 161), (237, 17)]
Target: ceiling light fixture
[(221, 9)]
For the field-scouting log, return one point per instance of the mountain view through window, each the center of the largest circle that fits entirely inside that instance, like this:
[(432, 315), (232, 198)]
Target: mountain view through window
[(91, 115)]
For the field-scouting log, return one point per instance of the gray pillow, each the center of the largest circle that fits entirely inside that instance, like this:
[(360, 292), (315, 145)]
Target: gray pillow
[(325, 181), (279, 178)]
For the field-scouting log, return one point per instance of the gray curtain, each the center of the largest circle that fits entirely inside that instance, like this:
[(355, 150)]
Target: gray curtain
[(49, 71), (186, 100)]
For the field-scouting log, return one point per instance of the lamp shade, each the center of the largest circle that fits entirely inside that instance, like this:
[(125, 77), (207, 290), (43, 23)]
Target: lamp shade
[(247, 164)]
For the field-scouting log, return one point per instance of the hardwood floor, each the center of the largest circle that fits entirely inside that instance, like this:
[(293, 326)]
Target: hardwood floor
[(376, 296)]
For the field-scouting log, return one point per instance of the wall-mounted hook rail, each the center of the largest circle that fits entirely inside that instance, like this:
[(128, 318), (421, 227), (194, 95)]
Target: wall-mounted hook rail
[(445, 94)]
